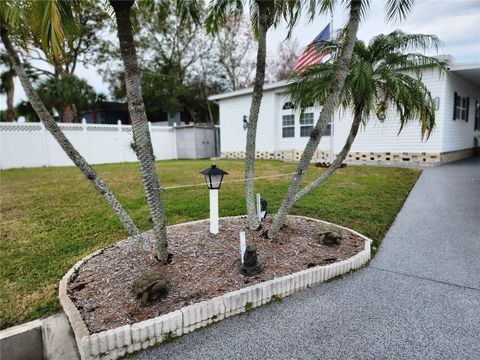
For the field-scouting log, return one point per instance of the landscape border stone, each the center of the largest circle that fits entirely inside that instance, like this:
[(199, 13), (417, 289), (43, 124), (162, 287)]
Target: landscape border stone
[(115, 343)]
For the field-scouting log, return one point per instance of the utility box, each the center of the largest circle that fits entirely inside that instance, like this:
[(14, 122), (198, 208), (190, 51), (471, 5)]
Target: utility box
[(197, 141)]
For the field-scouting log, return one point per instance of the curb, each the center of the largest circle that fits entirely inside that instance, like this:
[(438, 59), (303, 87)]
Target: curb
[(49, 338), (117, 342)]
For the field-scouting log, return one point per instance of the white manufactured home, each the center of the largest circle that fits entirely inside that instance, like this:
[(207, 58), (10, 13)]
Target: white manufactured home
[(283, 131)]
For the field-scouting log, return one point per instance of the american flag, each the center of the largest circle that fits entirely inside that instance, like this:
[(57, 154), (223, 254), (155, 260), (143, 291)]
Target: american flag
[(312, 54)]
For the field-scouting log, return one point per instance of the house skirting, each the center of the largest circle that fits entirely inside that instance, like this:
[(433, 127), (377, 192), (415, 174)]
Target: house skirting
[(363, 158), (450, 156)]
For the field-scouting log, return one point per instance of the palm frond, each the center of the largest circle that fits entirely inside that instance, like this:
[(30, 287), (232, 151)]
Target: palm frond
[(54, 23), (398, 10), (219, 11), (188, 9), (382, 77)]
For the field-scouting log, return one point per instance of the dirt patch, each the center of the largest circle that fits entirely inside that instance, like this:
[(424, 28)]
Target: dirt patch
[(203, 266)]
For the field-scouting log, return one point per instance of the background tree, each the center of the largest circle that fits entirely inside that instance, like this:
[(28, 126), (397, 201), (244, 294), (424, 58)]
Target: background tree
[(66, 94), (235, 45), (281, 65), (80, 45), (55, 17), (7, 85), (396, 9), (25, 109), (179, 67)]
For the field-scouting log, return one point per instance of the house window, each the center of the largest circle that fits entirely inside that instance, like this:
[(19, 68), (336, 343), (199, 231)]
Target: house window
[(288, 106), (288, 126), (460, 107), (306, 124), (477, 115), (328, 130)]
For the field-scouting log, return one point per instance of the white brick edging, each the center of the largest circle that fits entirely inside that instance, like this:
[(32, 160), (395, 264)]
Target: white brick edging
[(114, 343)]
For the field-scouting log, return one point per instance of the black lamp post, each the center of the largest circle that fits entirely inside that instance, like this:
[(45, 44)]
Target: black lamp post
[(213, 177)]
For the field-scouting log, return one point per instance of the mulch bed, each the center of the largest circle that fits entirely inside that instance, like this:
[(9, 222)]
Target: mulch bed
[(203, 266)]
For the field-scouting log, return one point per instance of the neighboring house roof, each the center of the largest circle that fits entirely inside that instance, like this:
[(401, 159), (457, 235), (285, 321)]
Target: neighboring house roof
[(470, 72)]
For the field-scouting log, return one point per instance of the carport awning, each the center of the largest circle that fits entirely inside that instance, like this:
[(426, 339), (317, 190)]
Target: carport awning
[(470, 72)]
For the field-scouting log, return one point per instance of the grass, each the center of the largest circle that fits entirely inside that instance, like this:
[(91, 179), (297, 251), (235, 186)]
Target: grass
[(51, 217)]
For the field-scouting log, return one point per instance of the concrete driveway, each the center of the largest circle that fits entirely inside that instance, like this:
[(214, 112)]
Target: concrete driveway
[(418, 299)]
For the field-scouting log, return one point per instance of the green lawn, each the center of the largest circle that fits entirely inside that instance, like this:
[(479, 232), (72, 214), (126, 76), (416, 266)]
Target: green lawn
[(51, 217)]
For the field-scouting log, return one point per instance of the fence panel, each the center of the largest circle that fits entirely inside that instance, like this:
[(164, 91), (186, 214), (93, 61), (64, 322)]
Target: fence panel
[(31, 145)]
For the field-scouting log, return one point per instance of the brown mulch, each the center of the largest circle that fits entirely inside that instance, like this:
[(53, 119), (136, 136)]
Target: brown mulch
[(203, 266)]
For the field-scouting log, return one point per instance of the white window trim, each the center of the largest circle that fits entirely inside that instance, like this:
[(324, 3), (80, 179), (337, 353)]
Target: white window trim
[(311, 125), (288, 126), (461, 109)]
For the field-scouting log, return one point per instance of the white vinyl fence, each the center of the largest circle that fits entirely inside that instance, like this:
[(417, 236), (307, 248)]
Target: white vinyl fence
[(31, 145)]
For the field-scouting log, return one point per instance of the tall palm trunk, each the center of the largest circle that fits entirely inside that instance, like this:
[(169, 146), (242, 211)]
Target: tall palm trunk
[(10, 91), (62, 140), (357, 120), (334, 91), (253, 118), (141, 133)]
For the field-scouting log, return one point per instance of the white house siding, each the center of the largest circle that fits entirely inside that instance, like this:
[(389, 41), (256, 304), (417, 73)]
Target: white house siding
[(384, 137), (377, 142), (459, 134), (232, 134)]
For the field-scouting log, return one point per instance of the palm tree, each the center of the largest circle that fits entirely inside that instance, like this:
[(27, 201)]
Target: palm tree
[(384, 74), (264, 14), (15, 15), (136, 108), (66, 94), (7, 86), (396, 9)]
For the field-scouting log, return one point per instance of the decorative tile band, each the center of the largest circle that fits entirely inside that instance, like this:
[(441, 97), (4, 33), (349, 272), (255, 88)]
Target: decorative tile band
[(355, 157), (115, 343)]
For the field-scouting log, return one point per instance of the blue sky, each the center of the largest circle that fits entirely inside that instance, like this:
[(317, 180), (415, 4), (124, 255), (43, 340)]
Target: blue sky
[(455, 22)]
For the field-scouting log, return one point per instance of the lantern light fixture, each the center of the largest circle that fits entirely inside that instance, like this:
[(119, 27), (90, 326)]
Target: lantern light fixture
[(245, 122), (213, 177)]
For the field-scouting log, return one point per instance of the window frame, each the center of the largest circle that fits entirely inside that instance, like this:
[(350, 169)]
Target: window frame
[(328, 129), (303, 126), (288, 126), (461, 107)]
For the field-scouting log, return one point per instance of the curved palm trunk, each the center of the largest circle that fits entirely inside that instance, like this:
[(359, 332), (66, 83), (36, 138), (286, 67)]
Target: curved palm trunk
[(141, 133), (357, 120), (253, 117), (335, 90), (65, 144), (10, 92)]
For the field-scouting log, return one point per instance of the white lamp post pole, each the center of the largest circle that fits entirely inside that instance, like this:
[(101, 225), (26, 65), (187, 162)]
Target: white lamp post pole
[(214, 211), (213, 178)]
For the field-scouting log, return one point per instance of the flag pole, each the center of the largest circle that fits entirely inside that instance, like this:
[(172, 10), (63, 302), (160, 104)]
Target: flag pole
[(332, 120)]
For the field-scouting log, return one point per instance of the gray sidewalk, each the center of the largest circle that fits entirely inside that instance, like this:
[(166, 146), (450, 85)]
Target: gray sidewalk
[(418, 299)]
